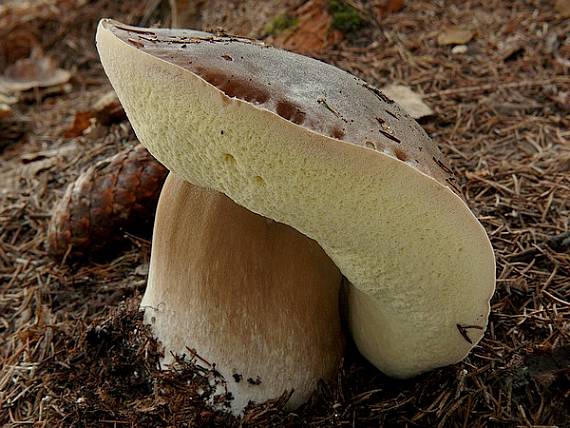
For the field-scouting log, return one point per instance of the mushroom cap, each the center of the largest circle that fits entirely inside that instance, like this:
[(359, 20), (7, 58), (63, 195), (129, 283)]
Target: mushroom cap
[(311, 146)]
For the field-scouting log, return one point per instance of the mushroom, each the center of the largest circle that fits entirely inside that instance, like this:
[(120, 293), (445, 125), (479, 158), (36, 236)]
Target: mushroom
[(309, 146)]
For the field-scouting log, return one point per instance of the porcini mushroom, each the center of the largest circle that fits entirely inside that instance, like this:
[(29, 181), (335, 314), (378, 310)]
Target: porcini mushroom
[(312, 147)]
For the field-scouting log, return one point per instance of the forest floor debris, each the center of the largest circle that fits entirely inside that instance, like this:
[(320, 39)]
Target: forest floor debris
[(74, 351)]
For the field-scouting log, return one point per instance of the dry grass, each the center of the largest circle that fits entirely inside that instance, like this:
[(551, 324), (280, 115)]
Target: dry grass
[(74, 352)]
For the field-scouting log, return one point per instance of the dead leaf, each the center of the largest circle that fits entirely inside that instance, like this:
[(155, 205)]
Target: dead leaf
[(313, 33), (33, 72), (82, 121), (512, 50), (410, 101), (108, 109), (563, 8), (383, 8), (34, 168), (455, 36), (514, 54), (37, 162), (105, 111)]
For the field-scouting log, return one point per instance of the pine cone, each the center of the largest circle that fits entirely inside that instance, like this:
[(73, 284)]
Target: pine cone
[(117, 194)]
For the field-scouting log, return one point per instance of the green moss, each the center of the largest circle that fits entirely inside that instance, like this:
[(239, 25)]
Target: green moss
[(345, 18), (281, 23)]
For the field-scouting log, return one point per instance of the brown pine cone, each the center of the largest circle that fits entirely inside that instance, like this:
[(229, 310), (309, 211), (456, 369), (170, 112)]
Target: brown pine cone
[(117, 194)]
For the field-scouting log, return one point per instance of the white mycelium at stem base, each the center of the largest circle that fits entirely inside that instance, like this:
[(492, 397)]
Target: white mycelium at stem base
[(255, 297)]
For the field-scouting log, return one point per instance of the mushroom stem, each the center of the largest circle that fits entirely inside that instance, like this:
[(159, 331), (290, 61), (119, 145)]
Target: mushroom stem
[(254, 297)]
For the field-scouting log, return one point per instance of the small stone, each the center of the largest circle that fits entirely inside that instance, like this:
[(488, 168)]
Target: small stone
[(459, 49)]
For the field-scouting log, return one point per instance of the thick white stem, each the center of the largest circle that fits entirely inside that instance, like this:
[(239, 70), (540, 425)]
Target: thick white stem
[(254, 297)]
